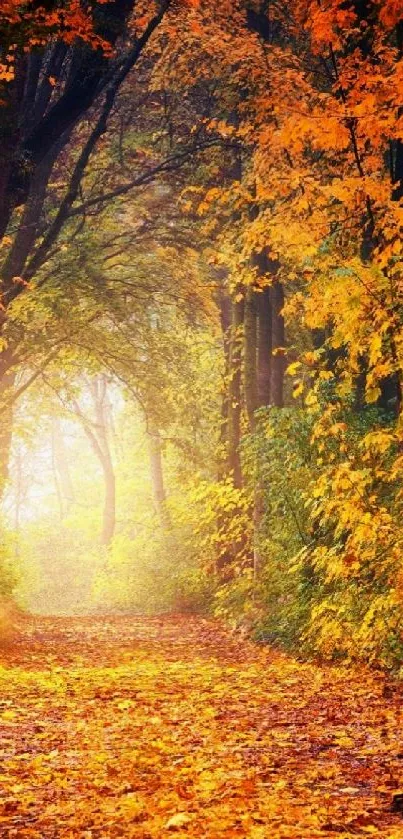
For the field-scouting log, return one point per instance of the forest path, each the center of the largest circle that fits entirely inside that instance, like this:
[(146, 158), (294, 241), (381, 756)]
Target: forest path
[(150, 728)]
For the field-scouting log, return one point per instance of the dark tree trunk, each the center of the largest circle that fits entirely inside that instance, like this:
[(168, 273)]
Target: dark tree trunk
[(27, 232), (5, 170), (278, 363), (266, 271), (264, 347), (34, 120)]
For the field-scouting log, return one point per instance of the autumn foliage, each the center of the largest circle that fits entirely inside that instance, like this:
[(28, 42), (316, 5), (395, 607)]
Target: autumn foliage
[(136, 728), (202, 216), (201, 434)]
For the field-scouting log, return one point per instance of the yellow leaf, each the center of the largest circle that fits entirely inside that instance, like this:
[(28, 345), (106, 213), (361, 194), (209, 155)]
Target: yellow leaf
[(125, 704), (292, 368), (179, 820), (9, 715)]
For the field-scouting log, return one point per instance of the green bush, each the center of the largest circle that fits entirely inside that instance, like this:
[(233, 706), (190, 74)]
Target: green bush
[(278, 465)]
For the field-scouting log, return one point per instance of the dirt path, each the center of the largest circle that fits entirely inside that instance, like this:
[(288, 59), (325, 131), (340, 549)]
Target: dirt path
[(151, 728)]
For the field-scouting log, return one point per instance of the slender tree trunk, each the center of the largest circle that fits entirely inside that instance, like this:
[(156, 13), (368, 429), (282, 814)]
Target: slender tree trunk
[(157, 474), (19, 498), (11, 282), (264, 375), (18, 491), (264, 347), (7, 382), (235, 397), (97, 433), (225, 320), (234, 402), (99, 390), (109, 513), (57, 481), (5, 168), (63, 481), (278, 358), (250, 356)]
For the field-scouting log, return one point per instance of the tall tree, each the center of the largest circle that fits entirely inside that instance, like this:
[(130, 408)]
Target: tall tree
[(97, 429)]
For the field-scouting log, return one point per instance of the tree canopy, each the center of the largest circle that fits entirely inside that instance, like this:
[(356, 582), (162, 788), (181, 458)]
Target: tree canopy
[(201, 299)]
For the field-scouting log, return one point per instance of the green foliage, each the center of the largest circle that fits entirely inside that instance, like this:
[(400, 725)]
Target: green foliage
[(10, 571), (330, 571), (215, 519), (278, 465), (10, 578), (238, 602)]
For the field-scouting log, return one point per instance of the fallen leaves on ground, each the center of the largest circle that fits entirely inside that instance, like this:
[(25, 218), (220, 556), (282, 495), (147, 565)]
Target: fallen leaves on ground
[(128, 727)]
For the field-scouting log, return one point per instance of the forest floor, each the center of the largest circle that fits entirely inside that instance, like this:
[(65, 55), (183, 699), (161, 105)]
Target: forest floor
[(150, 728)]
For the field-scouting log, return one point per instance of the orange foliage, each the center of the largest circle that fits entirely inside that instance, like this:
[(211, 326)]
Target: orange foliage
[(143, 728), (35, 25)]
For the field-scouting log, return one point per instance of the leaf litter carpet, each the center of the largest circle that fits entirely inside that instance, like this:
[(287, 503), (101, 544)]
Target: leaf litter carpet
[(149, 728)]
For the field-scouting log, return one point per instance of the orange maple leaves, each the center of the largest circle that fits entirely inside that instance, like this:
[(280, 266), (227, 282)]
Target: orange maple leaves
[(30, 26)]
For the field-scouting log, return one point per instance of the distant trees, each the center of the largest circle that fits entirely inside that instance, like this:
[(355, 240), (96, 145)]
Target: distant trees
[(63, 71), (97, 426), (266, 145)]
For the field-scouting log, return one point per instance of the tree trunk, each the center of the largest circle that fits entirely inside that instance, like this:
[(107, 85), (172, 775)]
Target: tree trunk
[(56, 479), (5, 210), (225, 320), (34, 120), (64, 484), (268, 390), (97, 433), (7, 381), (250, 356), (157, 474), (27, 232), (109, 512), (235, 398), (264, 347), (278, 358), (99, 391), (19, 491)]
